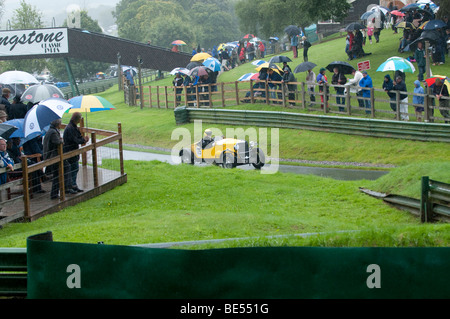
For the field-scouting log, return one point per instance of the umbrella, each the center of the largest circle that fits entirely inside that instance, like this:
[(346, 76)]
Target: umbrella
[(427, 35), (248, 36), (344, 67), (213, 64), (18, 123), (397, 13), (192, 65), (268, 65), (274, 39), (249, 76), (258, 62), (40, 92), (292, 30), (178, 42), (396, 64), (17, 77), (410, 7), (6, 130), (43, 114), (184, 71), (305, 66), (279, 59), (434, 24), (200, 71), (200, 57), (130, 69), (432, 80), (89, 104), (354, 26), (406, 25)]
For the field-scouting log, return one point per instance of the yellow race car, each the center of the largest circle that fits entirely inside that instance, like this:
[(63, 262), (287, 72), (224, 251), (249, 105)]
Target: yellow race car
[(226, 152)]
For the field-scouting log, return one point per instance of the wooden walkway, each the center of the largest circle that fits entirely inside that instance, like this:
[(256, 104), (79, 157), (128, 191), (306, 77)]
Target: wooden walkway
[(41, 204)]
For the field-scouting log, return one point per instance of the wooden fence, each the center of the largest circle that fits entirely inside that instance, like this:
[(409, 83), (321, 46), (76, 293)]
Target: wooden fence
[(28, 170), (298, 97)]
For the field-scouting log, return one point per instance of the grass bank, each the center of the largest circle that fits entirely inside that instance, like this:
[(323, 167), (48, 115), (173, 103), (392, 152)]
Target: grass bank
[(183, 203)]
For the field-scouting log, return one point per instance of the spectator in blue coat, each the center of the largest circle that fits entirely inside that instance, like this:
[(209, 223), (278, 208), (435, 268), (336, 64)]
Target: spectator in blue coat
[(418, 100), (366, 82)]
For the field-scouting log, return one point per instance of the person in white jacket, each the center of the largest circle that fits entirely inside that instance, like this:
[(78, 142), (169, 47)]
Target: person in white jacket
[(353, 85), (310, 81)]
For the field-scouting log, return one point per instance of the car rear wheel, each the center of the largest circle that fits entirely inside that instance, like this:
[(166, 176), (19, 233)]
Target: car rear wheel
[(187, 157)]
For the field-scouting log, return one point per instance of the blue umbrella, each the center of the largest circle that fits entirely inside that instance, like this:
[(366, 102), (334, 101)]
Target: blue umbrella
[(43, 114), (20, 132), (435, 24), (213, 64)]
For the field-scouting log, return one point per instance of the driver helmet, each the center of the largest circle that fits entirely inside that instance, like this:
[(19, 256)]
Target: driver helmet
[(207, 134)]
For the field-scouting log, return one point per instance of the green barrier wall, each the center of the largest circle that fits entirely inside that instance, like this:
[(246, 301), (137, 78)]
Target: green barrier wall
[(72, 270)]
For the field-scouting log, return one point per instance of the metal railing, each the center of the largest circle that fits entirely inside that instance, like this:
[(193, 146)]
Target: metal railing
[(297, 97)]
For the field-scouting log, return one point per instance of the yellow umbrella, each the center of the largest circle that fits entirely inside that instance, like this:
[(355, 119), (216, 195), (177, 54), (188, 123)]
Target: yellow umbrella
[(199, 57), (221, 46), (272, 66)]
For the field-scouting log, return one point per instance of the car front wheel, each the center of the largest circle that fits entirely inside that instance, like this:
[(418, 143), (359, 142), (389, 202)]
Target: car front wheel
[(228, 161)]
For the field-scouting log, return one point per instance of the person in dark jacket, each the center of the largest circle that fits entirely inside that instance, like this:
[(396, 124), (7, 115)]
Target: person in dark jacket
[(52, 140), (6, 93), (401, 86), (339, 78), (440, 90), (288, 79), (18, 109), (388, 85), (72, 140)]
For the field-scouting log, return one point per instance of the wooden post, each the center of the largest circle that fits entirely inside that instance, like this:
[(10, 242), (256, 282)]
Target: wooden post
[(157, 97), (426, 209), (185, 96), (283, 94), (237, 91), (372, 102), (397, 101), (166, 97), (348, 101), (26, 186), (303, 95), (150, 96), (175, 103), (197, 95), (426, 104), (267, 92), (325, 98), (252, 95), (210, 102), (83, 156), (94, 159), (62, 187), (222, 87), (119, 130)]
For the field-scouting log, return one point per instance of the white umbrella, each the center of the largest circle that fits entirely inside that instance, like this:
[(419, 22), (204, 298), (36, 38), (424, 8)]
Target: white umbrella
[(396, 64), (180, 70), (17, 77), (43, 114), (41, 92)]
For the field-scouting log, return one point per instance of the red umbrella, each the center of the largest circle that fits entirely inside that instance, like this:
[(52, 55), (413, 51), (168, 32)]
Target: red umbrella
[(199, 71), (397, 13), (249, 36), (432, 80)]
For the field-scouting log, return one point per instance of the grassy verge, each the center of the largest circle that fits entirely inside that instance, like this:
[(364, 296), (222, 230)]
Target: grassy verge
[(182, 203)]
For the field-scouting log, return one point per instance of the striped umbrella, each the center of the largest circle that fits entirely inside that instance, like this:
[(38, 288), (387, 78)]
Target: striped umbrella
[(396, 64), (178, 42), (258, 62), (180, 70), (42, 114), (89, 104), (213, 64), (249, 76)]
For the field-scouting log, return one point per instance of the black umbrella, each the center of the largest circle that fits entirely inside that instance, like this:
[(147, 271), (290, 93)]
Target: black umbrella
[(434, 24), (354, 26), (6, 130), (305, 66), (344, 67), (430, 36), (279, 59), (410, 7), (192, 65), (292, 30)]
